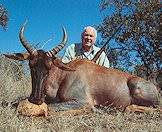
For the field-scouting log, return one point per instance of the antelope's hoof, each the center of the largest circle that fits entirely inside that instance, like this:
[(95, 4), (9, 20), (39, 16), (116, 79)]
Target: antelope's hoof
[(29, 109)]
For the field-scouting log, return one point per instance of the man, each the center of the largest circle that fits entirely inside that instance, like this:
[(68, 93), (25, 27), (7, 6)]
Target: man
[(86, 49)]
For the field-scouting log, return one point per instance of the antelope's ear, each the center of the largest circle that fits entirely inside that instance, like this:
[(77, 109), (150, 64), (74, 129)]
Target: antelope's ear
[(61, 65), (18, 56)]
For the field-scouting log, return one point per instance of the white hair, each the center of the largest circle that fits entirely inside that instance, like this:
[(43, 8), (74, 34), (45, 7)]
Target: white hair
[(90, 27)]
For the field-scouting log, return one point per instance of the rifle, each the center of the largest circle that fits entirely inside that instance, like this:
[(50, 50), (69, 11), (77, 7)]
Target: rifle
[(104, 46)]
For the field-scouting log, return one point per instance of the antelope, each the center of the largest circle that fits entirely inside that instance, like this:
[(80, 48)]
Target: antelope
[(82, 83)]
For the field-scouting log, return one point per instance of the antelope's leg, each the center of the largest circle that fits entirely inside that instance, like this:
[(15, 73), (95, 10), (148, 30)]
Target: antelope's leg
[(141, 109), (69, 107), (143, 93)]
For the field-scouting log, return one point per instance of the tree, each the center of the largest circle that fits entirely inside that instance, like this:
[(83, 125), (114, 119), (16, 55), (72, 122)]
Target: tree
[(137, 43), (10, 68), (3, 17)]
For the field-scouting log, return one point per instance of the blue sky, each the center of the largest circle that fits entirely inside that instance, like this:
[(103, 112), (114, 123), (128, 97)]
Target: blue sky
[(45, 18)]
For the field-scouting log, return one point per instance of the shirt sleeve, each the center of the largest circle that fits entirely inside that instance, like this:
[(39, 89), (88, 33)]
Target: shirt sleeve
[(68, 55)]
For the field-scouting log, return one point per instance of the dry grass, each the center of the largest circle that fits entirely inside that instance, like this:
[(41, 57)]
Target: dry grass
[(110, 120)]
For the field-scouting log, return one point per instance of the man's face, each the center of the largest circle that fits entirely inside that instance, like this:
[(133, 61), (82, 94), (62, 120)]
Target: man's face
[(88, 37)]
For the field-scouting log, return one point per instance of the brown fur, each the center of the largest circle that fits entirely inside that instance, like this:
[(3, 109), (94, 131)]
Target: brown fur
[(103, 86), (81, 83)]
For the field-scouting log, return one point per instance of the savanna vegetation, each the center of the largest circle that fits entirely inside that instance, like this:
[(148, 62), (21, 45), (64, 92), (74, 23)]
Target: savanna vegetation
[(14, 89), (3, 17), (15, 85), (136, 47)]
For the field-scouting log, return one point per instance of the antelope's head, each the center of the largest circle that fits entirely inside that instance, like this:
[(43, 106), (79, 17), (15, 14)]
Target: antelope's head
[(40, 62)]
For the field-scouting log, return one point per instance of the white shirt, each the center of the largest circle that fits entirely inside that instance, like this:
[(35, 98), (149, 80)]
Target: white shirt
[(75, 51)]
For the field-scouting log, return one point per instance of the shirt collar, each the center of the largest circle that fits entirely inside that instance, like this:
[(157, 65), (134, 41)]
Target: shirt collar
[(91, 51)]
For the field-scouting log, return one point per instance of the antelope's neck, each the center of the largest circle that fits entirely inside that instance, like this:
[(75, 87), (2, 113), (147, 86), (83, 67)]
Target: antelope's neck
[(56, 76)]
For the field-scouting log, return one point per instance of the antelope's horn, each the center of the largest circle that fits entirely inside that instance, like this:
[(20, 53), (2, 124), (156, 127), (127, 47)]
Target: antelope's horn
[(55, 50), (24, 42)]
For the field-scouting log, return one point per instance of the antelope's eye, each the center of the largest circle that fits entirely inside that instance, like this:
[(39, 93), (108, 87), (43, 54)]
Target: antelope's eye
[(48, 63)]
